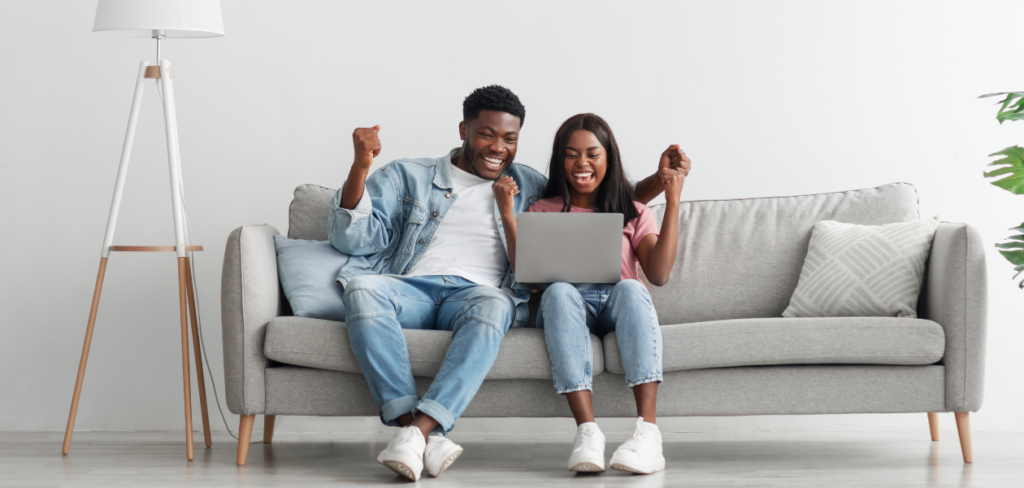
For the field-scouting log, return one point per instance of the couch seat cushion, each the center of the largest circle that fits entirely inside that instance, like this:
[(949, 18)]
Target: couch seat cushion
[(759, 342), (324, 344)]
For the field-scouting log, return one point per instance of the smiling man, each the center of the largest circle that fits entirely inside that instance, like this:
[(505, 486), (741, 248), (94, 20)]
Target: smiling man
[(427, 251)]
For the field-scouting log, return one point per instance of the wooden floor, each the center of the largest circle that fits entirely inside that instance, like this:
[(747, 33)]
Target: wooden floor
[(772, 459)]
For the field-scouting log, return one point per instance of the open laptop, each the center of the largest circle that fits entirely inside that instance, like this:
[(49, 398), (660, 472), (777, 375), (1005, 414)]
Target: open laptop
[(554, 247)]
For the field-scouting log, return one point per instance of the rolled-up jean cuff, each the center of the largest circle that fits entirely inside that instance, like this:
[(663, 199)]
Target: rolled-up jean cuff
[(390, 412), (649, 379), (579, 387), (437, 412)]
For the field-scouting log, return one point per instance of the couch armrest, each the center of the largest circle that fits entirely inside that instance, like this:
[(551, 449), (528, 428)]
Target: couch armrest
[(250, 297), (955, 295)]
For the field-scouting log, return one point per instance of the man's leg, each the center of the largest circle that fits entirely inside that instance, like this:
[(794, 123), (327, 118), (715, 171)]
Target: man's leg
[(478, 316), (377, 308)]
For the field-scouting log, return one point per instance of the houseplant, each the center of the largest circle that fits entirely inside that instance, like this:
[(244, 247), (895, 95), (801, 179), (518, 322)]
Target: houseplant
[(1009, 175)]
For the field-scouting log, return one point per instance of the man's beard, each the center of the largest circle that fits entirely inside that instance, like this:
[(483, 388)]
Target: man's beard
[(467, 155)]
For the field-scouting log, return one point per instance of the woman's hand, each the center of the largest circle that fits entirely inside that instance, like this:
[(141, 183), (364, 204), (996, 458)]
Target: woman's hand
[(505, 190), (673, 182), (672, 159)]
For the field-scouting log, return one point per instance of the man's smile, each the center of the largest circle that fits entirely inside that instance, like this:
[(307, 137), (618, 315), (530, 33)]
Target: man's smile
[(493, 163)]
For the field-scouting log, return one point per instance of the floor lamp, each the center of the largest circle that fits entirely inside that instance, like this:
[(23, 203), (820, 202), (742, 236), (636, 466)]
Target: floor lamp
[(157, 19)]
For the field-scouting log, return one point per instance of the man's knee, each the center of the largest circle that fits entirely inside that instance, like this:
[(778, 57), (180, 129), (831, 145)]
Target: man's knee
[(367, 296), (373, 283), (492, 307)]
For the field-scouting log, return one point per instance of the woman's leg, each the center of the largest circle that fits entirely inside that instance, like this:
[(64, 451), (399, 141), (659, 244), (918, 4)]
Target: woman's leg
[(631, 314), (563, 315)]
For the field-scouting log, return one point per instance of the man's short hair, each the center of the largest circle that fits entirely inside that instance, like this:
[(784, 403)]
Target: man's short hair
[(493, 97)]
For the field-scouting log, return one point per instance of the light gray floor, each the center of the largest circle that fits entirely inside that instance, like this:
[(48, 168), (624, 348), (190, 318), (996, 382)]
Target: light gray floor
[(769, 459)]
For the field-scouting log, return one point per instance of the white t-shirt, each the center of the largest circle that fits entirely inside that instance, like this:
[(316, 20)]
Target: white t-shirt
[(467, 242)]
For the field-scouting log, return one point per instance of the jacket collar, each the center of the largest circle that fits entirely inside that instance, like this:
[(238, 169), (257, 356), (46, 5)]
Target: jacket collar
[(443, 176)]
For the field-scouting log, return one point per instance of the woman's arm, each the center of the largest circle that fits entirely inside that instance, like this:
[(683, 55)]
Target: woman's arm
[(505, 190), (657, 254)]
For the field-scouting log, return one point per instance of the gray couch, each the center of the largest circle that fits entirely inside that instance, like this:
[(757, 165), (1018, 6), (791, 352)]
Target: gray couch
[(727, 351)]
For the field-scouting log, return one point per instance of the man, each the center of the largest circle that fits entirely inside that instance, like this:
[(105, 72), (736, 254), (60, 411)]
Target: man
[(427, 251)]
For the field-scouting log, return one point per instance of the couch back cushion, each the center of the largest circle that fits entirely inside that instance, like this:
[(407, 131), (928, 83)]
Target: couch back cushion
[(737, 258), (742, 258), (307, 215)]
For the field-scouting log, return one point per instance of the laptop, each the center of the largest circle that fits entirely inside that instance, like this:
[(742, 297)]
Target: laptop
[(554, 247)]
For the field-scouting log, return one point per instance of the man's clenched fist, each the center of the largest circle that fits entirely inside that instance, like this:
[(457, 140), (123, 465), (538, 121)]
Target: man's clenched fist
[(367, 146), (505, 189)]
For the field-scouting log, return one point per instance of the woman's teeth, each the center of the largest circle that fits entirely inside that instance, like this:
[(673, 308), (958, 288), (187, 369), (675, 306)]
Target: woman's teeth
[(583, 178), (493, 163)]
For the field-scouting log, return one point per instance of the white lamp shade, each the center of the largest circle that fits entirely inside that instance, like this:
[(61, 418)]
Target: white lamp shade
[(177, 18)]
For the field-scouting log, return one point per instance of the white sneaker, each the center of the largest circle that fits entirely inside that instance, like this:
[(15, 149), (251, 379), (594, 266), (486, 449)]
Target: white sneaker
[(588, 451), (440, 453), (404, 454), (642, 453)]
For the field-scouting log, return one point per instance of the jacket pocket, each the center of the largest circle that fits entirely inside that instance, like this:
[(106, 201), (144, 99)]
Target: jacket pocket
[(415, 216)]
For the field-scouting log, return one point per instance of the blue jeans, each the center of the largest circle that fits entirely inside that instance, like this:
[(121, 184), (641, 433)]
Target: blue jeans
[(569, 314), (378, 307)]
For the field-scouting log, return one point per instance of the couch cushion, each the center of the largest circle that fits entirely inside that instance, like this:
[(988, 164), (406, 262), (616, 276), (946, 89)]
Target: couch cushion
[(308, 212), (761, 342), (742, 258), (324, 344)]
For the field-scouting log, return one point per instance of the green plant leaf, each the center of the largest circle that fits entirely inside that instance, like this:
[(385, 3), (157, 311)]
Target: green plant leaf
[(1011, 164), (1013, 251), (1010, 245), (1012, 106)]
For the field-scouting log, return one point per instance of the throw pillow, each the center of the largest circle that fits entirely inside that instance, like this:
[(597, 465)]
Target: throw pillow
[(863, 270), (308, 270)]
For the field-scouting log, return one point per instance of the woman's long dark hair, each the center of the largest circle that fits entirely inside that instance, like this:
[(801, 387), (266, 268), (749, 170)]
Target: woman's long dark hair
[(615, 194)]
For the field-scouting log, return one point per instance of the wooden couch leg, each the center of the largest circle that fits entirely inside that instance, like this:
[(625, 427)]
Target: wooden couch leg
[(963, 427), (268, 428), (244, 434), (933, 425)]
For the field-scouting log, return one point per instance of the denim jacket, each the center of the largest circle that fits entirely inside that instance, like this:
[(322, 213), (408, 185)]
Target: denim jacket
[(388, 232)]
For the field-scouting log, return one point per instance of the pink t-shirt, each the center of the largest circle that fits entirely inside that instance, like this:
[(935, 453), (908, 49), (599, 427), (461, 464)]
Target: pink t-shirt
[(632, 234)]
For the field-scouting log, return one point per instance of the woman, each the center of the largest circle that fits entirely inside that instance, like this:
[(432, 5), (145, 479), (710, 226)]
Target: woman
[(586, 175)]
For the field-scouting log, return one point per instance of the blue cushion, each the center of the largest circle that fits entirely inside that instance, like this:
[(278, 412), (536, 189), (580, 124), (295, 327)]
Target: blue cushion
[(308, 270)]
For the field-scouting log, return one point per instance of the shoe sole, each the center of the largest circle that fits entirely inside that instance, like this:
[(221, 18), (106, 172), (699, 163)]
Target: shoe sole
[(659, 466), (586, 468), (451, 460), (401, 469)]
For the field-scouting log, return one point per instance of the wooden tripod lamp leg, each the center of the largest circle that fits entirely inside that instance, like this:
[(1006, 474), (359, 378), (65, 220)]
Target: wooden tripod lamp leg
[(197, 351), (933, 425), (184, 357), (108, 238), (85, 355)]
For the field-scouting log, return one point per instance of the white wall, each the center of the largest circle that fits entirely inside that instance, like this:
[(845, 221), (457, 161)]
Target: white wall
[(768, 98)]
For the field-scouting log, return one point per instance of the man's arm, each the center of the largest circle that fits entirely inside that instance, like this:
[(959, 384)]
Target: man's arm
[(360, 222), (367, 147), (672, 159)]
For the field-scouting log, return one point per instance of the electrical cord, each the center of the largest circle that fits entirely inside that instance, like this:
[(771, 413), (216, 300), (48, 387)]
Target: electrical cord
[(195, 287)]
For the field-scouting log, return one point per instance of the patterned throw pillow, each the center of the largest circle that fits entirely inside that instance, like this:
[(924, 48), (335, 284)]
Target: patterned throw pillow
[(863, 270)]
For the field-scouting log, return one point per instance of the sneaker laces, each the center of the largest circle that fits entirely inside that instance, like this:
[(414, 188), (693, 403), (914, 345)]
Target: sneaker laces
[(639, 434)]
